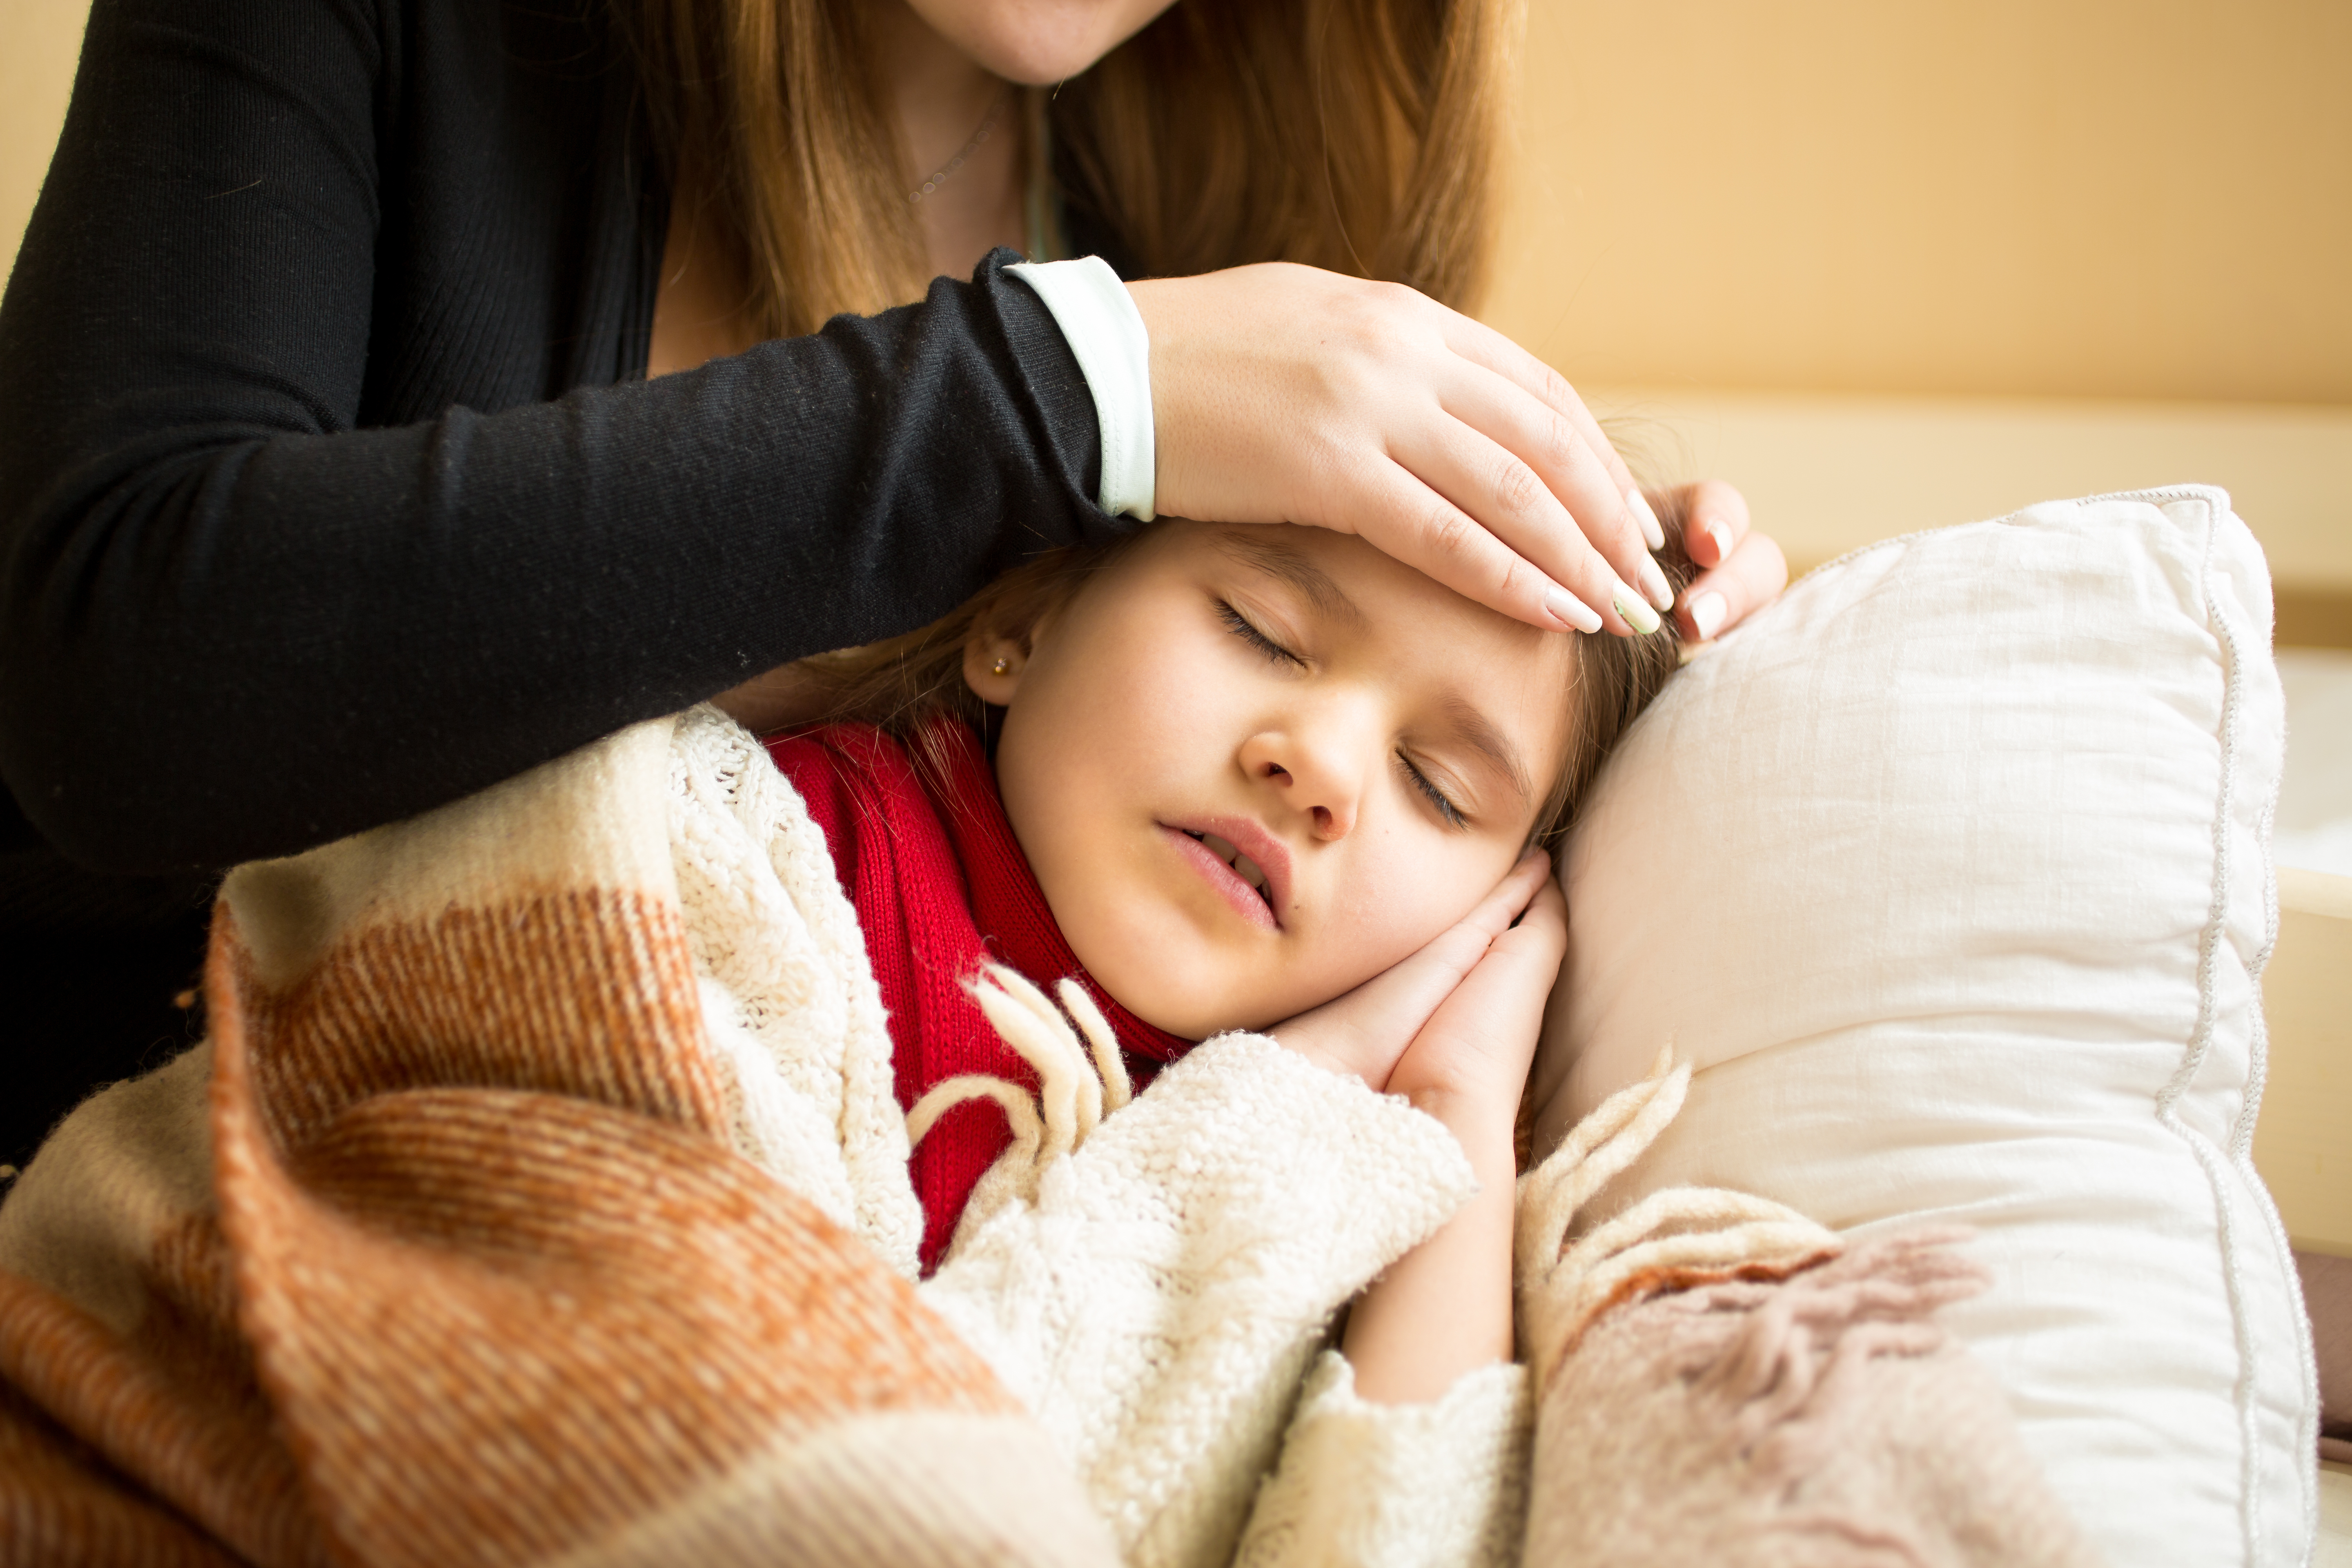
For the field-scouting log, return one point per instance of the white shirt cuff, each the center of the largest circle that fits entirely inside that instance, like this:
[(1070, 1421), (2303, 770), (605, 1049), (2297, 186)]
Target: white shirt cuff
[(1105, 331)]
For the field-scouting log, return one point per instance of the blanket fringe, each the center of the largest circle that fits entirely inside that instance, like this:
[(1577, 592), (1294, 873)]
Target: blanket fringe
[(1081, 1078), (1669, 1240)]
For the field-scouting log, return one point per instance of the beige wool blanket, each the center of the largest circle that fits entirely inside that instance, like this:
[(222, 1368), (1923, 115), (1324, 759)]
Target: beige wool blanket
[(539, 1197)]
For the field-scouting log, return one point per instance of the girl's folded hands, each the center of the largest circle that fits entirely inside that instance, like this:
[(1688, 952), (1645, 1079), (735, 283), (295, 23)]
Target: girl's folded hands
[(1454, 1026)]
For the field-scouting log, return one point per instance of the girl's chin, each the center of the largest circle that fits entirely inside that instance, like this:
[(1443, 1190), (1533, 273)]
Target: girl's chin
[(1194, 971), (1191, 1000)]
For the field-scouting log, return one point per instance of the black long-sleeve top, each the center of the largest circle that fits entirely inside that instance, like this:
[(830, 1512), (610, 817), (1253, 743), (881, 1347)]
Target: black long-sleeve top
[(331, 486)]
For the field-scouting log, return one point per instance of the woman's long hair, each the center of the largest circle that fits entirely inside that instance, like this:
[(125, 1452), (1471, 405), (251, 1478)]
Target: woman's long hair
[(1356, 136)]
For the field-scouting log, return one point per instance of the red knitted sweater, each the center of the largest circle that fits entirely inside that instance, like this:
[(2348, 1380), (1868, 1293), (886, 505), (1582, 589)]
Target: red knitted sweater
[(941, 887)]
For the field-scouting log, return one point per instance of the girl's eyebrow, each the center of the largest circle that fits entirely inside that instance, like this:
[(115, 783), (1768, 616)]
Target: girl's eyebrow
[(1287, 566), (1482, 735)]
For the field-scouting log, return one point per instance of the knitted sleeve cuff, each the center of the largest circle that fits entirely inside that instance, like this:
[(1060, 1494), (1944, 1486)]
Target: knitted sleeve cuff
[(1397, 1486), (1105, 332)]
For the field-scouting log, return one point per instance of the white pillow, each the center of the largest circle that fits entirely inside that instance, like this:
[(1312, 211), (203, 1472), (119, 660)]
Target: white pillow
[(1949, 872)]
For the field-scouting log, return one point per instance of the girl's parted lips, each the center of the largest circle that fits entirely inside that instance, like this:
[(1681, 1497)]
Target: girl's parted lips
[(1255, 855)]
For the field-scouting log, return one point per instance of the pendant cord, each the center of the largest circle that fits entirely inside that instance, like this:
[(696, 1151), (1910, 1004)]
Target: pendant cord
[(947, 171)]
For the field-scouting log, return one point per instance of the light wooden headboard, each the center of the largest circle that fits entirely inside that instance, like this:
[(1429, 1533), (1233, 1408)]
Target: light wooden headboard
[(2303, 1144)]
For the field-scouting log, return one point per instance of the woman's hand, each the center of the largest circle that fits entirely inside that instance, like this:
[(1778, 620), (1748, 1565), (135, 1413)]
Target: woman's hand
[(1286, 394), (1739, 569), (1365, 1032)]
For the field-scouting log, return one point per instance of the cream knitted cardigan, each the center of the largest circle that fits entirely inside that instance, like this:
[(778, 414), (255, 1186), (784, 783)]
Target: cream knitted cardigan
[(1154, 1281)]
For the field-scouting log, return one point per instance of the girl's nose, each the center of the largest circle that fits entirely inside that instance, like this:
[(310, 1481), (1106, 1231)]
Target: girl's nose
[(1313, 772)]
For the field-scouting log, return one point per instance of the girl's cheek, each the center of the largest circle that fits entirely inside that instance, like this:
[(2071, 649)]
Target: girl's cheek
[(1405, 895), (1384, 910)]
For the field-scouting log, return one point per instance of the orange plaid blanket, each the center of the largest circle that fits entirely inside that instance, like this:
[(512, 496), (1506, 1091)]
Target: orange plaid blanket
[(437, 1253)]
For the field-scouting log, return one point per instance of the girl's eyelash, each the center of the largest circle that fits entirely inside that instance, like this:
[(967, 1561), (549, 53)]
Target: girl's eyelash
[(1239, 625), (1445, 809)]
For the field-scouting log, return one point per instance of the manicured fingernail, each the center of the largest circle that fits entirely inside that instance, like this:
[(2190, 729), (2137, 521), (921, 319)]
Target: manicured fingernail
[(1654, 533), (1655, 583), (1706, 613), (1638, 616), (1571, 612), (1720, 532)]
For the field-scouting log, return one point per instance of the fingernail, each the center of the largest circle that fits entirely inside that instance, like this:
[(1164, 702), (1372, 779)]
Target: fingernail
[(1638, 616), (1720, 532), (1655, 583), (1654, 533), (1706, 613), (1571, 612)]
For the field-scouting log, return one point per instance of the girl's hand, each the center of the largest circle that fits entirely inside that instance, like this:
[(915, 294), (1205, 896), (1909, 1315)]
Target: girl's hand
[(1364, 1033), (1468, 1063), (1444, 1308), (1286, 394)]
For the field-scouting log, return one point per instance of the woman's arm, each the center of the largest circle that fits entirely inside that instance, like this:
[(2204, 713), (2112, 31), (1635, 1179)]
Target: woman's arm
[(234, 622)]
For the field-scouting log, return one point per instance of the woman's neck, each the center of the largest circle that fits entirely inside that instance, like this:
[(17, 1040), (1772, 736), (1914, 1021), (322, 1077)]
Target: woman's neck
[(936, 98)]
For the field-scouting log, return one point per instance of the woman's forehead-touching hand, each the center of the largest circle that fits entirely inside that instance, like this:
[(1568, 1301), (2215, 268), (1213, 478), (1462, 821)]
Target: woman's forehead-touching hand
[(1252, 767)]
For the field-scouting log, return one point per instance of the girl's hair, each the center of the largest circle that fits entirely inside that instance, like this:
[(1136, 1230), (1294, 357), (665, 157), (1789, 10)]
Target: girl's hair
[(901, 684), (1356, 136)]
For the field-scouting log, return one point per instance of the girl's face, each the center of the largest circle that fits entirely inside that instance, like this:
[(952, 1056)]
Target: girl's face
[(1252, 767)]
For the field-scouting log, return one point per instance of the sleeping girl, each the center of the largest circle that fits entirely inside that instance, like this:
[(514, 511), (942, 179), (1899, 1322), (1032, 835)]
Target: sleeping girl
[(1235, 779), (1130, 976)]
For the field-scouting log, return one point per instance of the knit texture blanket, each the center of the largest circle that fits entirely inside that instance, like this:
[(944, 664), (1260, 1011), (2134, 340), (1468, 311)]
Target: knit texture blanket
[(453, 1259), (1721, 1382)]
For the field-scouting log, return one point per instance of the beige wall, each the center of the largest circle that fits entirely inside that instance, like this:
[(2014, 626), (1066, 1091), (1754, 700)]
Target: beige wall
[(2304, 1146), (39, 41), (2103, 198), (2107, 198), (1889, 264)]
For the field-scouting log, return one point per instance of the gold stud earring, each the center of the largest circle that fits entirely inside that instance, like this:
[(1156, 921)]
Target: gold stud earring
[(1002, 667)]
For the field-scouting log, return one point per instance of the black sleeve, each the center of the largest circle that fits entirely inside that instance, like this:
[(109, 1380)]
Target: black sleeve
[(234, 625)]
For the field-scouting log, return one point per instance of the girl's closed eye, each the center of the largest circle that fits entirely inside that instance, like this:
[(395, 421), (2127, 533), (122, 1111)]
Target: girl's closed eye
[(1249, 632), (1447, 810), (1243, 627)]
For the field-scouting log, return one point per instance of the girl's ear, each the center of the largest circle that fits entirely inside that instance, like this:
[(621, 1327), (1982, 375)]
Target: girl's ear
[(993, 665)]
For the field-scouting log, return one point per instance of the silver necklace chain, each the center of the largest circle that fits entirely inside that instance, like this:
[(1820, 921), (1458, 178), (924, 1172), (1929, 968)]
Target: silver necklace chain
[(947, 171)]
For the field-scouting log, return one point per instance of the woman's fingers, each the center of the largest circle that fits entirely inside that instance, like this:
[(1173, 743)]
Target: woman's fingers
[(1715, 519), (1753, 575), (1285, 393), (1442, 536), (1482, 345), (1559, 500)]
